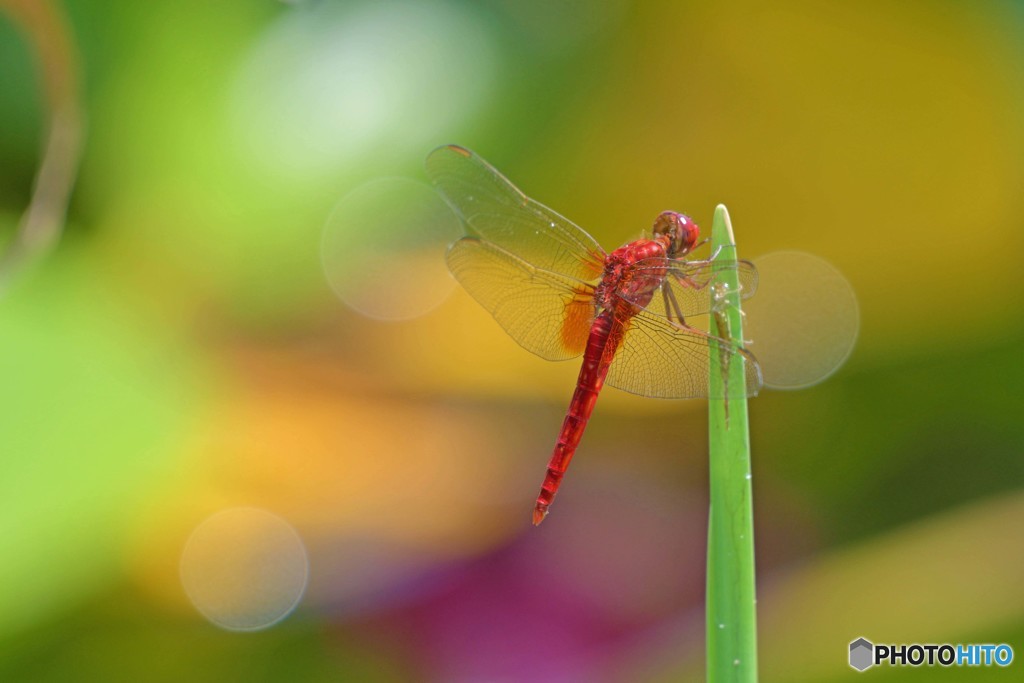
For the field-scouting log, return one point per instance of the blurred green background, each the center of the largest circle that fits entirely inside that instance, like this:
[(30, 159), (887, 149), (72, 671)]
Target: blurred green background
[(181, 352)]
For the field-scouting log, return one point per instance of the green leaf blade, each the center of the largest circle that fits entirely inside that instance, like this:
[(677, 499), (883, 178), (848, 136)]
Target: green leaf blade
[(731, 611)]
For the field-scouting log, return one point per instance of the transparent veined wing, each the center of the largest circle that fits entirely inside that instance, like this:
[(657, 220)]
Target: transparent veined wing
[(547, 313), (660, 359), (496, 210), (686, 289)]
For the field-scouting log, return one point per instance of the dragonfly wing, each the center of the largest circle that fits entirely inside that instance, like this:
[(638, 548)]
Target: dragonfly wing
[(546, 313), (659, 359), (496, 210), (686, 288)]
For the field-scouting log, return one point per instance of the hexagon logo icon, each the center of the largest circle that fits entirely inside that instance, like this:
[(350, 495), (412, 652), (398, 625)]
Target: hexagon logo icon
[(862, 654)]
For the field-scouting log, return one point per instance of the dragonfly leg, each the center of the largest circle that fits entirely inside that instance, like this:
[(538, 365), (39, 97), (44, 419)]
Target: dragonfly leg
[(713, 255), (688, 282), (672, 307), (720, 292), (673, 310)]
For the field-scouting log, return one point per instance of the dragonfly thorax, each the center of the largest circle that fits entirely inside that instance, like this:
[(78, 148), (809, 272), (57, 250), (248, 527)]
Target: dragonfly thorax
[(628, 278)]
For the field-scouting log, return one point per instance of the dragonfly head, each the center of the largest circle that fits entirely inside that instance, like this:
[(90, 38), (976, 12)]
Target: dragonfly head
[(680, 229)]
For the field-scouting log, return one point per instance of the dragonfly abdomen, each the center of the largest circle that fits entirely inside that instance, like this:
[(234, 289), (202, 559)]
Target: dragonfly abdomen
[(588, 386)]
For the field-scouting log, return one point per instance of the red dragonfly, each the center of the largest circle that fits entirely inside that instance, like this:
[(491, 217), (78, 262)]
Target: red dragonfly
[(559, 294)]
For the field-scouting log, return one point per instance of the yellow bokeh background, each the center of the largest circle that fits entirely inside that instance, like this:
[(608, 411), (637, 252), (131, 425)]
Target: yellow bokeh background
[(181, 352)]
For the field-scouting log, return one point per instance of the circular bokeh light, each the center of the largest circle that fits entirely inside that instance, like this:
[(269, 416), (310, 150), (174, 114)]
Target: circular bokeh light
[(333, 83), (383, 249), (244, 569), (803, 321)]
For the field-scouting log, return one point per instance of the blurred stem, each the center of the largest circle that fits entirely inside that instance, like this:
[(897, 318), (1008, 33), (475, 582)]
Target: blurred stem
[(731, 611), (46, 30)]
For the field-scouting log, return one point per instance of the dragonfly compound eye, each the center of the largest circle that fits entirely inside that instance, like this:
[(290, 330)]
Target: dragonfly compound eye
[(680, 228)]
